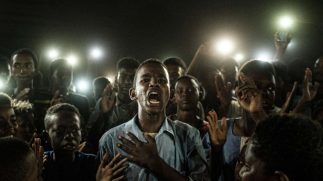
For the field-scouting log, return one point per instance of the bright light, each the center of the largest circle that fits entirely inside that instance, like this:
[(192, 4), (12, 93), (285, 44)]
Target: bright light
[(110, 78), (238, 57), (72, 59), (83, 85), (52, 54), (285, 22), (264, 56), (224, 46), (96, 53), (2, 84)]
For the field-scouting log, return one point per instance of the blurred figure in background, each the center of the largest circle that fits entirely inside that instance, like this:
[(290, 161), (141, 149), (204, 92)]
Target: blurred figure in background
[(176, 68), (115, 106), (7, 116)]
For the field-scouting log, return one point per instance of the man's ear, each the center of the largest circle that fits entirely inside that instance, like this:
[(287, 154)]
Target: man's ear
[(132, 94), (281, 176)]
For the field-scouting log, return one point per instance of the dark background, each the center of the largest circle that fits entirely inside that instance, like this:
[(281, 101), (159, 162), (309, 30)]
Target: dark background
[(154, 28)]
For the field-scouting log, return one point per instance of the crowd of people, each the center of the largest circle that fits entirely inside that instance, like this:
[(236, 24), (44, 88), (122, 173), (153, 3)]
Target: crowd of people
[(162, 120)]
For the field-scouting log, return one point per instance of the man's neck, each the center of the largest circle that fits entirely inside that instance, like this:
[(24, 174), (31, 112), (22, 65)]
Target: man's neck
[(121, 102), (151, 123), (188, 117), (62, 91), (64, 156)]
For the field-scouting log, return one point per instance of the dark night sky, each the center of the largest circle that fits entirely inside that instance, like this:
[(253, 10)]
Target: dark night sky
[(154, 28)]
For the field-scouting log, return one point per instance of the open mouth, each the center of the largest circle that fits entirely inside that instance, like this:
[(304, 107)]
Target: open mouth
[(154, 97)]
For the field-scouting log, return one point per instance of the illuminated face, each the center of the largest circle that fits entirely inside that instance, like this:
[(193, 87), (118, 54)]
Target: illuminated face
[(124, 82), (254, 168), (187, 94), (23, 67), (62, 77), (151, 89), (65, 131), (266, 84)]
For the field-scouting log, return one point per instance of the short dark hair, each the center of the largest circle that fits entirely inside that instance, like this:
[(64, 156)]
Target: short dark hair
[(13, 156), (56, 64), (148, 61), (100, 81), (59, 108), (25, 51), (127, 63), (5, 100), (189, 77), (175, 61), (291, 144), (257, 66)]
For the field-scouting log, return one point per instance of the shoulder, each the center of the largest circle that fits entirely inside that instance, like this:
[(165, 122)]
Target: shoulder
[(183, 129), (114, 132), (78, 96), (85, 156)]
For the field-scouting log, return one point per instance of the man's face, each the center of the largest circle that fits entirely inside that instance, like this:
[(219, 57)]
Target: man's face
[(62, 77), (23, 67), (8, 122), (152, 88), (64, 131), (253, 168), (266, 84), (187, 94), (124, 82), (175, 72)]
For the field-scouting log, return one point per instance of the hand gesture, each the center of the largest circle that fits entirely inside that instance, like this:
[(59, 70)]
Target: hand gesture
[(282, 44), (39, 152), (144, 154), (108, 99), (57, 98), (217, 132), (290, 95), (113, 170), (309, 90)]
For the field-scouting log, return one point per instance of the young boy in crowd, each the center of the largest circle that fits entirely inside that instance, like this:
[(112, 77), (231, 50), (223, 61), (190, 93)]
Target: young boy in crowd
[(62, 122), (157, 148), (284, 148), (18, 161)]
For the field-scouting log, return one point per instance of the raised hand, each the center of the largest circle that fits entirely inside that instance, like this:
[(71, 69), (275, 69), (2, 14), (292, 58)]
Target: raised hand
[(281, 45), (217, 132), (309, 90), (39, 152), (143, 154), (290, 95), (108, 99), (113, 170)]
